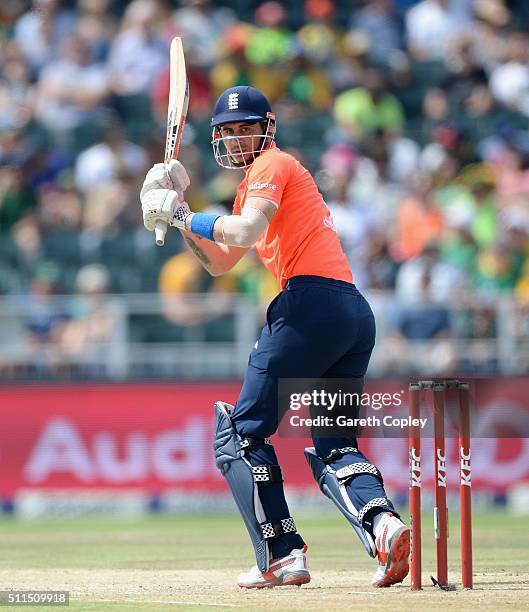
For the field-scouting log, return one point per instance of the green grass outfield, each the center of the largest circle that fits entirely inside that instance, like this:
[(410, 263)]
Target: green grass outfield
[(190, 563)]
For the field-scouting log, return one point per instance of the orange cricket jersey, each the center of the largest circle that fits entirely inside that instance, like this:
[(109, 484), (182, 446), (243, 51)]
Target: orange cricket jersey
[(301, 238)]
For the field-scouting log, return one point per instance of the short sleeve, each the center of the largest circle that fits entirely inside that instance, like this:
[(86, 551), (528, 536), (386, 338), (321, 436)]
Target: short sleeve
[(268, 177), (236, 208)]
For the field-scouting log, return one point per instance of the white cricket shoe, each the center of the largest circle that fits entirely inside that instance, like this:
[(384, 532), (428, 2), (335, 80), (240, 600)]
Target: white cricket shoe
[(392, 539), (292, 569)]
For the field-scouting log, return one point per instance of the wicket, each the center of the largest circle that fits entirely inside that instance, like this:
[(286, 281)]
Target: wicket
[(440, 510)]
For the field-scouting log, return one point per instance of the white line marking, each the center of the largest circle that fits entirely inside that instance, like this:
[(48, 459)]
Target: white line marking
[(159, 601), (502, 588)]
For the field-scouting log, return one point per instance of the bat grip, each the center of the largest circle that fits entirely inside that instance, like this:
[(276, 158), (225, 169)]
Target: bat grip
[(160, 230)]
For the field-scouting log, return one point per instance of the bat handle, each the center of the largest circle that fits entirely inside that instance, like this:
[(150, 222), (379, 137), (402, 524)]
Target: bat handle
[(160, 231)]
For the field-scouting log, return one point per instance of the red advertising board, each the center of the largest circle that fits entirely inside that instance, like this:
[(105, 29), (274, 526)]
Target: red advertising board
[(158, 437)]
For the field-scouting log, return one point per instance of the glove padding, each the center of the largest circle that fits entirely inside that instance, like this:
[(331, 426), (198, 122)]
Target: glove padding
[(172, 177), (164, 205)]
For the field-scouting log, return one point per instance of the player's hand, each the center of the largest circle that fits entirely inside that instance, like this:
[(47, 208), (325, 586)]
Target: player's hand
[(173, 177), (178, 175), (164, 205)]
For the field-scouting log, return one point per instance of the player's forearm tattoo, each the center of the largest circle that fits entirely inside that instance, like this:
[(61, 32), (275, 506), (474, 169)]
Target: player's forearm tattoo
[(199, 253)]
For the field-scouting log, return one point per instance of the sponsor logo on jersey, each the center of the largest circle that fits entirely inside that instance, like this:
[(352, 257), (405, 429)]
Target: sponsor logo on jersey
[(259, 185), (328, 221)]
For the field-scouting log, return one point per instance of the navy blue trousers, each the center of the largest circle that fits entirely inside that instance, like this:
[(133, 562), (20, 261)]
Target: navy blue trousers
[(316, 328)]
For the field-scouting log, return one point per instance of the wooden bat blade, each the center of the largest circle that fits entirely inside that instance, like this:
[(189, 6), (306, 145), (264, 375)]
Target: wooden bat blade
[(176, 113), (178, 100)]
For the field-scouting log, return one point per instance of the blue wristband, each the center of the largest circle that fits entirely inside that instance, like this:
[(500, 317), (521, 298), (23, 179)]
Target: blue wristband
[(202, 224)]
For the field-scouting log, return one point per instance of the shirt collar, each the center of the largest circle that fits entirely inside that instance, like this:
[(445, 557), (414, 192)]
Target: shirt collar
[(271, 146)]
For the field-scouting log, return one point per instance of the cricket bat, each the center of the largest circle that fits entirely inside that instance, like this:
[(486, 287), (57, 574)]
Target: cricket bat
[(176, 114)]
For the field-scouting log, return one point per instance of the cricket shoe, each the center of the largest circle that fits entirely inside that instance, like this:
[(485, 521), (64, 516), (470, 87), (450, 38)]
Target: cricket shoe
[(392, 540), (290, 570)]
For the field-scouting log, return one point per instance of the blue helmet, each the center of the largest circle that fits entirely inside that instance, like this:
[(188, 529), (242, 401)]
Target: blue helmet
[(246, 104), (241, 103)]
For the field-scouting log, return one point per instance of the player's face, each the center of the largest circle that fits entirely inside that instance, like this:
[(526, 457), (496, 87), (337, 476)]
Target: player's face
[(242, 140), (237, 144)]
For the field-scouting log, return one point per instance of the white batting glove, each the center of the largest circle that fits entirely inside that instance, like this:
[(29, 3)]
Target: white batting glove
[(174, 177), (164, 205)]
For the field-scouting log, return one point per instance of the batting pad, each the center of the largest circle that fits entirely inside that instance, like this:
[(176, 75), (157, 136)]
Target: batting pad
[(244, 482)]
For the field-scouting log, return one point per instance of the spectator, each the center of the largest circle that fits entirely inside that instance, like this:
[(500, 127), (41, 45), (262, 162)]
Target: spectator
[(435, 110), (421, 336), (42, 31), (484, 42), (458, 248), (96, 27), (70, 93), (44, 319), (465, 72), (234, 68), (514, 224), (496, 271), (114, 156), (522, 284), (106, 203), (26, 235), (363, 110), (92, 340), (511, 170), (138, 54), (381, 265), (308, 84), (202, 26), (482, 114), (16, 199), (348, 68), (432, 25), (428, 277), (319, 37), (353, 221), (16, 89), (378, 20), (271, 42), (509, 82), (419, 220), (60, 207), (484, 224), (182, 276), (373, 185), (250, 278)]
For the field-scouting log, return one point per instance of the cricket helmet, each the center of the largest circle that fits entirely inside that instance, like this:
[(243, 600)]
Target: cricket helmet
[(241, 103)]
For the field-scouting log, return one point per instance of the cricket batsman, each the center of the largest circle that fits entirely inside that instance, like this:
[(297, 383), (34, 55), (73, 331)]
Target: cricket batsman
[(319, 326)]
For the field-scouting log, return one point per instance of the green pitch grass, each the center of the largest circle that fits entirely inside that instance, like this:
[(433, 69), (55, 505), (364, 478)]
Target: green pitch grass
[(190, 563)]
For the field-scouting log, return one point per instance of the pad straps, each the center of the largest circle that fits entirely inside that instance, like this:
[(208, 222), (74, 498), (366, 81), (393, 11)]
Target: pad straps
[(344, 474), (267, 474), (379, 503), (250, 442), (336, 453), (275, 529)]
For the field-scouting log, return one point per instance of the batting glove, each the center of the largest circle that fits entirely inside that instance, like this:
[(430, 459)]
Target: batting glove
[(173, 177), (164, 205)]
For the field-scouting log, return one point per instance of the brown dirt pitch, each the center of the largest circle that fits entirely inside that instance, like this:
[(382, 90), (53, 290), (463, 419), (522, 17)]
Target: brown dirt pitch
[(190, 563)]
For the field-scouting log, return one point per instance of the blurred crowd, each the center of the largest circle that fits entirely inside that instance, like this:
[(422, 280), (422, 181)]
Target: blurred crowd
[(412, 115)]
